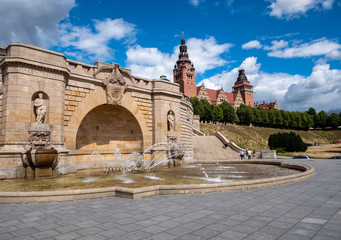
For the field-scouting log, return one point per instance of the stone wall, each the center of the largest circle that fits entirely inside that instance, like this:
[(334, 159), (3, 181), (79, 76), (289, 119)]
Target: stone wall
[(187, 125), (99, 107)]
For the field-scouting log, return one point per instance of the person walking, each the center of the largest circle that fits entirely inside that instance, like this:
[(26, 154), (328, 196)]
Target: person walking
[(254, 154), (249, 154), (241, 154)]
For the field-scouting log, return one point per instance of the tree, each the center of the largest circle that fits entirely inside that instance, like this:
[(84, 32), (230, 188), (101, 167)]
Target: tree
[(286, 118), (229, 113), (307, 121), (257, 117), (295, 119), (322, 119), (245, 114), (198, 107), (217, 113), (279, 118), (272, 118), (312, 112), (332, 120), (207, 116), (264, 115)]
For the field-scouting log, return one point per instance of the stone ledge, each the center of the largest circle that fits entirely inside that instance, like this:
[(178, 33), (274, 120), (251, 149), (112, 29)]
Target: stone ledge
[(136, 193)]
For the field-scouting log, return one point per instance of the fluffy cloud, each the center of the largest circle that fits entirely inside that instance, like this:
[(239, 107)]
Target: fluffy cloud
[(316, 47), (277, 45), (331, 49), (32, 22), (95, 43), (151, 63), (293, 8), (319, 90), (205, 53), (252, 44), (293, 92)]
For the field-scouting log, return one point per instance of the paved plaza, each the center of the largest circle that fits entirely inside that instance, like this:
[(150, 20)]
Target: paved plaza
[(309, 209)]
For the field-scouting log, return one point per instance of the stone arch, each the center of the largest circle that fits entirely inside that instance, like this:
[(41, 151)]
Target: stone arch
[(95, 98), (108, 127)]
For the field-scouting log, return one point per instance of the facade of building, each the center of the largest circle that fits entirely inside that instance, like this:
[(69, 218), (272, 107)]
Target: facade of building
[(50, 102), (267, 106), (242, 91)]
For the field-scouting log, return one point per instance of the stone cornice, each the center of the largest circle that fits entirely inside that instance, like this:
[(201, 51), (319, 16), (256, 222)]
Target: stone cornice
[(160, 91), (20, 60)]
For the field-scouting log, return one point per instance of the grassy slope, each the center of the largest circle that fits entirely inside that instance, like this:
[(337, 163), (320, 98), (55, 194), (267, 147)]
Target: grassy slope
[(257, 137)]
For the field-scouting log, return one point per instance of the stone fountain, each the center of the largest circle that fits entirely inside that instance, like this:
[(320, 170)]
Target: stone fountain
[(39, 158)]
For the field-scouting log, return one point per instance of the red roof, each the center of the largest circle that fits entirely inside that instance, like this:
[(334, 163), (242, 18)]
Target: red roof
[(267, 106), (213, 94), (229, 97)]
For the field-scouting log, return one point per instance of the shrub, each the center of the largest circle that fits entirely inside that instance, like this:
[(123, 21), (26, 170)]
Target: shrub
[(290, 142)]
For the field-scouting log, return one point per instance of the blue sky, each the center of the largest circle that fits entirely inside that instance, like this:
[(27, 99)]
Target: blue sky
[(290, 49)]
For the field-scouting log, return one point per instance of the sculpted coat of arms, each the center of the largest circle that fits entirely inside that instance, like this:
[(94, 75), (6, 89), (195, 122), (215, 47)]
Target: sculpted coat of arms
[(115, 86)]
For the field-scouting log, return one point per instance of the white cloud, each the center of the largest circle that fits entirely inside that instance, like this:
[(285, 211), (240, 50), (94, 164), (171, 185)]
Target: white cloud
[(95, 43), (205, 53), (320, 90), (151, 62), (32, 22), (277, 45), (316, 47), (293, 92), (252, 44), (295, 8)]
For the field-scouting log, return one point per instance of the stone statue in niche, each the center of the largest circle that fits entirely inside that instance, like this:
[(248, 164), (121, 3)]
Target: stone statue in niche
[(40, 108), (170, 121), (115, 86)]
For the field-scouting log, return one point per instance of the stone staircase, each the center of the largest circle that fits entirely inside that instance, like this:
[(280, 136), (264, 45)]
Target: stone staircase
[(210, 148)]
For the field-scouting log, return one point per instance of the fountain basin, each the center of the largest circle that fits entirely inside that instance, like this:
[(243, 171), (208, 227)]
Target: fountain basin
[(136, 193), (42, 157)]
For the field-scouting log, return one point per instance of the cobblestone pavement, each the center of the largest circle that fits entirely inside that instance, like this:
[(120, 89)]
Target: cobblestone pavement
[(310, 209)]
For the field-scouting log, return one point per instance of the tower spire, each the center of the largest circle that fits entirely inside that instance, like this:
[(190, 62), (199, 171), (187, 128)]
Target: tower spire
[(184, 71)]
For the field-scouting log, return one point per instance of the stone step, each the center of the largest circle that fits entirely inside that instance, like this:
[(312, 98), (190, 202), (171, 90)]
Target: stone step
[(210, 148)]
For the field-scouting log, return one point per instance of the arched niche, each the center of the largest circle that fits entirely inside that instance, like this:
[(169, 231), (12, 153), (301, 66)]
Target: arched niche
[(108, 127), (40, 107), (170, 121)]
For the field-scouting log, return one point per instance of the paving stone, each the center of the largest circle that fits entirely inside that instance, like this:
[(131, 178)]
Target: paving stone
[(309, 209), (262, 236), (68, 236), (45, 234), (230, 234)]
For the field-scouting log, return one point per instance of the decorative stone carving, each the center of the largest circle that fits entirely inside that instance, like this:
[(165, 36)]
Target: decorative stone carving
[(39, 138), (115, 86), (40, 108), (39, 153)]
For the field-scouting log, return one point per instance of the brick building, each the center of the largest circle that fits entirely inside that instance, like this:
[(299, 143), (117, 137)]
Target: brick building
[(242, 91)]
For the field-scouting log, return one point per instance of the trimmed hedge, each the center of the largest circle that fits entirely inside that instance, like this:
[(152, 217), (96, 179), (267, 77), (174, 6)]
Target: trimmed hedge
[(290, 142)]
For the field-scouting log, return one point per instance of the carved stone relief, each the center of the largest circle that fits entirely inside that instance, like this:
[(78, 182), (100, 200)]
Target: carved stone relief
[(115, 86)]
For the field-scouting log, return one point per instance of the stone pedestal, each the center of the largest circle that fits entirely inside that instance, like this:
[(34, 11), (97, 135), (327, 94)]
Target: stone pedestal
[(43, 172)]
